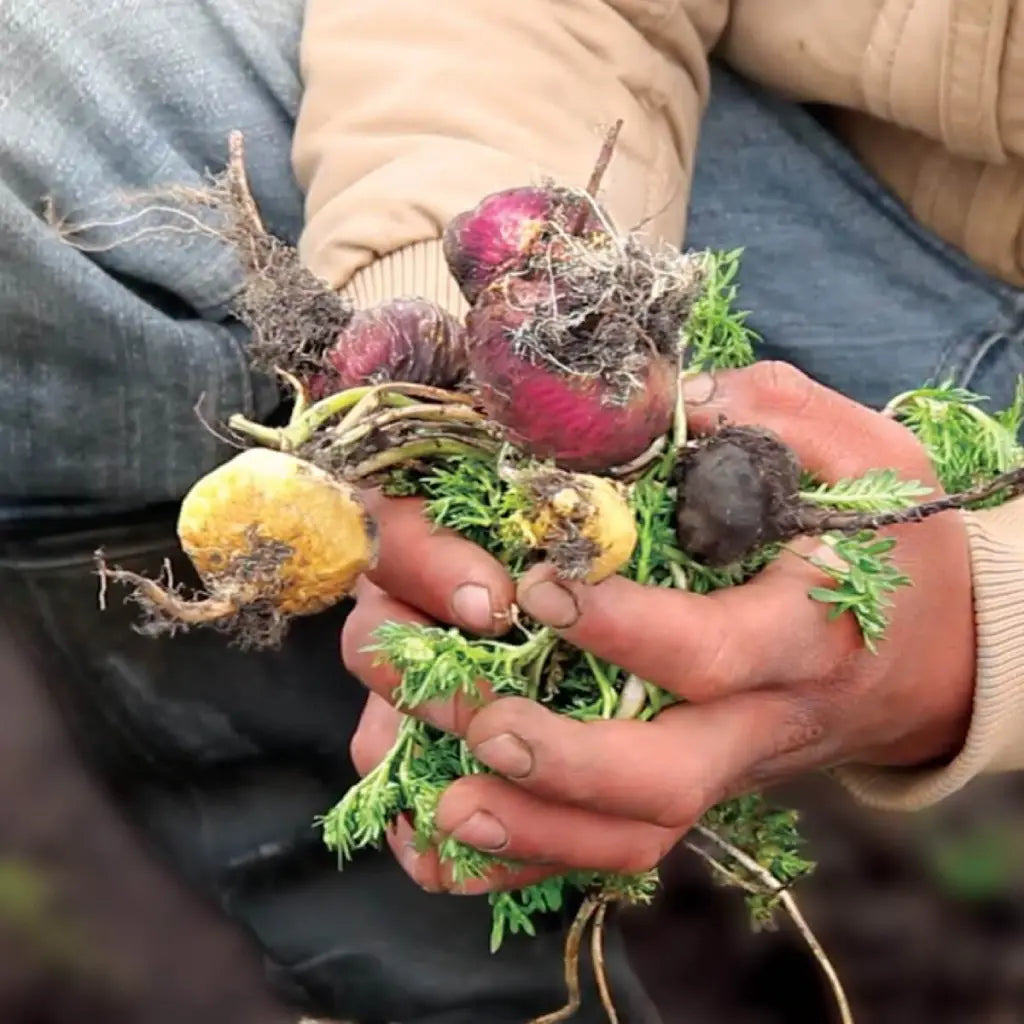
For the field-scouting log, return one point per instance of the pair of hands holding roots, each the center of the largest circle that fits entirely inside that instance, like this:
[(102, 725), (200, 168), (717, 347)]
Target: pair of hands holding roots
[(773, 687)]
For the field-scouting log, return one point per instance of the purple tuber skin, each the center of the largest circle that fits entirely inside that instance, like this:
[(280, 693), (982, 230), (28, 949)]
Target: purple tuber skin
[(505, 229), (573, 334), (578, 420), (409, 340)]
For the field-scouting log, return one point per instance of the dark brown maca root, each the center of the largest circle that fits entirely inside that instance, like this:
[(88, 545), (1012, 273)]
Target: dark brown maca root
[(739, 490)]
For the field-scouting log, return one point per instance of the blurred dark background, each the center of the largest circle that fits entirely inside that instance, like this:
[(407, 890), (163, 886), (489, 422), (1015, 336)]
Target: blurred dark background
[(923, 916)]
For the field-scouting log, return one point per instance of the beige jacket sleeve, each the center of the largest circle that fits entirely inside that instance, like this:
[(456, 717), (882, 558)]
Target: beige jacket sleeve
[(995, 739), (414, 110), (929, 94)]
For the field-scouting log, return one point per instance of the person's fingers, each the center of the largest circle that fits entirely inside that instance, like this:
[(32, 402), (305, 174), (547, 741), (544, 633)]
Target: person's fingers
[(498, 817), (665, 772), (430, 872), (444, 575), (375, 735), (833, 436), (374, 608), (697, 646)]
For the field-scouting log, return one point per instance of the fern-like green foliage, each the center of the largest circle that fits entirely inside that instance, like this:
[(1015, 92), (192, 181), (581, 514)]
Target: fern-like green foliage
[(967, 444), (717, 336), (878, 490)]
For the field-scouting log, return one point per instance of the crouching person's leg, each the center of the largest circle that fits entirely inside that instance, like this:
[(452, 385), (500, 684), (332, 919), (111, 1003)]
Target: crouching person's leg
[(107, 346)]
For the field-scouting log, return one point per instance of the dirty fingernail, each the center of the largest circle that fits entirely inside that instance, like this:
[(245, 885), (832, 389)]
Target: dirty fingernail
[(550, 604), (506, 754), (471, 604), (482, 831), (699, 388)]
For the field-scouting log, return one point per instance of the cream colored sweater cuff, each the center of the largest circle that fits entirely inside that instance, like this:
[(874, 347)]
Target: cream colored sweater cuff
[(995, 740), (418, 270)]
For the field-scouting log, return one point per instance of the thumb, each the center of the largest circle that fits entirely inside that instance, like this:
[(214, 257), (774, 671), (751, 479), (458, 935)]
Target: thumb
[(832, 436)]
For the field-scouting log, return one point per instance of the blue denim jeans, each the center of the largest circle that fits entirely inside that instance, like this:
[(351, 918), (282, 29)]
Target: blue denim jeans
[(224, 758)]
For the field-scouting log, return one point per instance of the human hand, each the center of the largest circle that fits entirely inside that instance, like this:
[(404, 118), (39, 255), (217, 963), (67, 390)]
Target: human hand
[(774, 687)]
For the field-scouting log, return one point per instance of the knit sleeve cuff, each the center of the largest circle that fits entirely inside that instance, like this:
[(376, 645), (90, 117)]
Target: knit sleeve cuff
[(418, 270), (995, 739)]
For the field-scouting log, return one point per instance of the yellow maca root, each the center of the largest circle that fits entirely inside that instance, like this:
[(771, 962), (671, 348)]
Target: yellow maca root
[(584, 523), (272, 537), (323, 534)]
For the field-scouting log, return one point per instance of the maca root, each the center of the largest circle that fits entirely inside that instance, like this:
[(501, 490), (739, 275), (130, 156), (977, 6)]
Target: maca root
[(738, 490), (583, 523)]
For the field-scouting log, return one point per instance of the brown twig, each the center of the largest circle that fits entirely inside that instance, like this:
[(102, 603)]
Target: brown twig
[(573, 942), (604, 158), (786, 899), (597, 956)]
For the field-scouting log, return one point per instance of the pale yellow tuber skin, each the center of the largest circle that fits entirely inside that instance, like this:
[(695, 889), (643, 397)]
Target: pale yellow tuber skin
[(325, 536), (578, 506)]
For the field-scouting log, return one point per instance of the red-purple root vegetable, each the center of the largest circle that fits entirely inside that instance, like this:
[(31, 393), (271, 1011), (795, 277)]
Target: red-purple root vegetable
[(580, 364), (508, 230), (408, 340)]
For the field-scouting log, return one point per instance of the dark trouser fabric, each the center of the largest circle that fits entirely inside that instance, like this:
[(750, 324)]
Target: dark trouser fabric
[(225, 759)]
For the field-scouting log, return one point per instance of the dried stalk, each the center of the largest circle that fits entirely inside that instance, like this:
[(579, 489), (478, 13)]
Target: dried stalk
[(786, 899)]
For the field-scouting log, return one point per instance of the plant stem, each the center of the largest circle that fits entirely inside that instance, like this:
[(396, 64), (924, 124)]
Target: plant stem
[(300, 399), (632, 698), (609, 698), (597, 957), (787, 900), (428, 412), (641, 462), (302, 428), (413, 450), (604, 158), (269, 437), (571, 959), (816, 520)]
